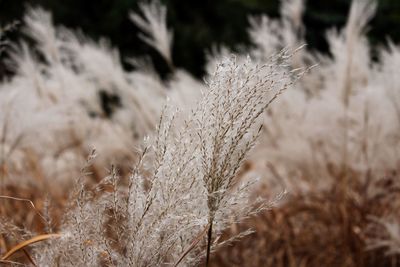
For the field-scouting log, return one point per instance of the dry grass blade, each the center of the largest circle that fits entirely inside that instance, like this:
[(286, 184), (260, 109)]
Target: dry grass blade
[(28, 242), (30, 203), (29, 257), (194, 243), (12, 262)]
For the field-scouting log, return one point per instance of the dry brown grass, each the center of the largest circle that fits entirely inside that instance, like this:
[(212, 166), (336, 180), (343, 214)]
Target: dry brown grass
[(33, 207), (318, 228), (21, 246), (24, 214)]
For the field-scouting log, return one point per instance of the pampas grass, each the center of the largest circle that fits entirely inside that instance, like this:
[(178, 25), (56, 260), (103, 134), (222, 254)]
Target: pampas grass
[(180, 165)]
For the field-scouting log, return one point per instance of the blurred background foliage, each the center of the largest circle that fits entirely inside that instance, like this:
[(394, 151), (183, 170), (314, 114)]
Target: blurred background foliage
[(197, 25)]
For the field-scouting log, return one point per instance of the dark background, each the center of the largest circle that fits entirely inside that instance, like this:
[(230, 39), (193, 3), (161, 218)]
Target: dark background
[(197, 25)]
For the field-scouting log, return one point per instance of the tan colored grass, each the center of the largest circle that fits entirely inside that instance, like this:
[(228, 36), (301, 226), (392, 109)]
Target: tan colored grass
[(22, 245), (317, 228)]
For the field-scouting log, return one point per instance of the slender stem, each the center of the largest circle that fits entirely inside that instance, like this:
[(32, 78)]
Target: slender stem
[(209, 237)]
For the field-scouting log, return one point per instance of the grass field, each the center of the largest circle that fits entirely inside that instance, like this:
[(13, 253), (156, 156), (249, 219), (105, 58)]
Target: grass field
[(282, 156)]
